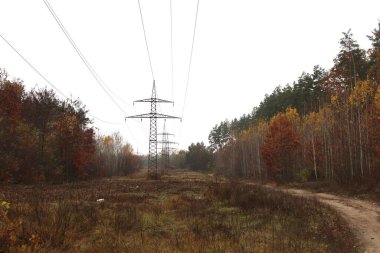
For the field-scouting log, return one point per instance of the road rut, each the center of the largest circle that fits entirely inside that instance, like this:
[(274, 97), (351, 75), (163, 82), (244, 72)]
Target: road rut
[(362, 216)]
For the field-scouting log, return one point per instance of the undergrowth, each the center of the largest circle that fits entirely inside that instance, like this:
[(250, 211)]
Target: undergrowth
[(166, 216)]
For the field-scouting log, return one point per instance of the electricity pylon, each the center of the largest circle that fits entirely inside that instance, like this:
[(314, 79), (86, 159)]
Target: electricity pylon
[(165, 151), (153, 116)]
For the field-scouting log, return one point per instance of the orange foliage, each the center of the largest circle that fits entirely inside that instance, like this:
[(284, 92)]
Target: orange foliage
[(280, 147), (83, 156), (11, 94)]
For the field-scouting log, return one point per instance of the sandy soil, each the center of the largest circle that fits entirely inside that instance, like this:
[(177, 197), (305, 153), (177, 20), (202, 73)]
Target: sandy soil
[(363, 216)]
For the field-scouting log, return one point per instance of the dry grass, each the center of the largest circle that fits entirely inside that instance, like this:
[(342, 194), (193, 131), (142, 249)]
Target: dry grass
[(183, 212), (365, 190)]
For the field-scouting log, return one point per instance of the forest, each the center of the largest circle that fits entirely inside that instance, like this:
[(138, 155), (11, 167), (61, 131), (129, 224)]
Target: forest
[(58, 193), (46, 139), (324, 126)]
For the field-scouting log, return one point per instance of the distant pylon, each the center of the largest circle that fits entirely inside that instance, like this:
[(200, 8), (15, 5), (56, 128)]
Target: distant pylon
[(153, 116), (165, 152)]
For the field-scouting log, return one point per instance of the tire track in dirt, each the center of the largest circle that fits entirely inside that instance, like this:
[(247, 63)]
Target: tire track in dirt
[(362, 216)]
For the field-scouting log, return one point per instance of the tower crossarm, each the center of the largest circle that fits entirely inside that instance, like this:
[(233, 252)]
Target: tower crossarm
[(167, 142), (166, 134), (152, 115), (153, 100)]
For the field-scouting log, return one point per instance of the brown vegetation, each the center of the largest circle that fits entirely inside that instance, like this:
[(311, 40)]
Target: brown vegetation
[(324, 127), (46, 139), (180, 213)]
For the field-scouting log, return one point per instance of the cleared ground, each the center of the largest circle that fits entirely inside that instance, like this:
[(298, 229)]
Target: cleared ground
[(362, 216), (182, 212)]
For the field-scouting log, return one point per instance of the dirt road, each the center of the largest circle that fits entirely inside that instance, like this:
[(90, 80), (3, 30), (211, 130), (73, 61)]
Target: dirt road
[(363, 216)]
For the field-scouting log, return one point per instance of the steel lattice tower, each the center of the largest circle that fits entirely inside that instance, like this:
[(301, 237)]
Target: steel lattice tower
[(165, 152), (153, 116)]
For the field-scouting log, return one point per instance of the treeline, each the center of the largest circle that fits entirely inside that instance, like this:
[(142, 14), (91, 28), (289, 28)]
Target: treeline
[(198, 157), (114, 157), (44, 138), (325, 126)]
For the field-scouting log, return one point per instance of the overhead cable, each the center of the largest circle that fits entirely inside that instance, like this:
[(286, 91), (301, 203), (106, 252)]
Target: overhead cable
[(191, 57), (47, 81), (146, 41), (171, 47), (83, 58)]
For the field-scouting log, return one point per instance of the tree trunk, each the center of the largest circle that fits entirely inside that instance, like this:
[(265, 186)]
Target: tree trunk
[(314, 159)]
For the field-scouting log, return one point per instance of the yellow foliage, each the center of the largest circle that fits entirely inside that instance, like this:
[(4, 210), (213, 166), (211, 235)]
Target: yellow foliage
[(107, 140), (361, 93), (244, 134), (313, 121), (292, 115), (5, 204), (262, 127), (127, 149), (71, 122), (334, 99), (6, 235), (377, 98)]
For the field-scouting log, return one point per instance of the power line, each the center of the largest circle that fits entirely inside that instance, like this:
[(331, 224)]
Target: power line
[(30, 65), (83, 58), (191, 57), (165, 151), (148, 52), (171, 50), (146, 41), (188, 73), (55, 87), (98, 79), (171, 47), (153, 116), (105, 121), (46, 80)]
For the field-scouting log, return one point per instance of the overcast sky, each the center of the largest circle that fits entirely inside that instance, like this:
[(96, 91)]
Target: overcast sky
[(243, 49)]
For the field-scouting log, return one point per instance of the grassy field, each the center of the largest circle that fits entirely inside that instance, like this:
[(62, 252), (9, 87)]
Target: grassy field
[(182, 212)]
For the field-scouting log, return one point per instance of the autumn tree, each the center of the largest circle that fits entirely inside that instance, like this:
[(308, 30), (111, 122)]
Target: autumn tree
[(281, 148), (311, 142), (335, 137), (114, 156), (42, 137), (375, 135), (16, 136)]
